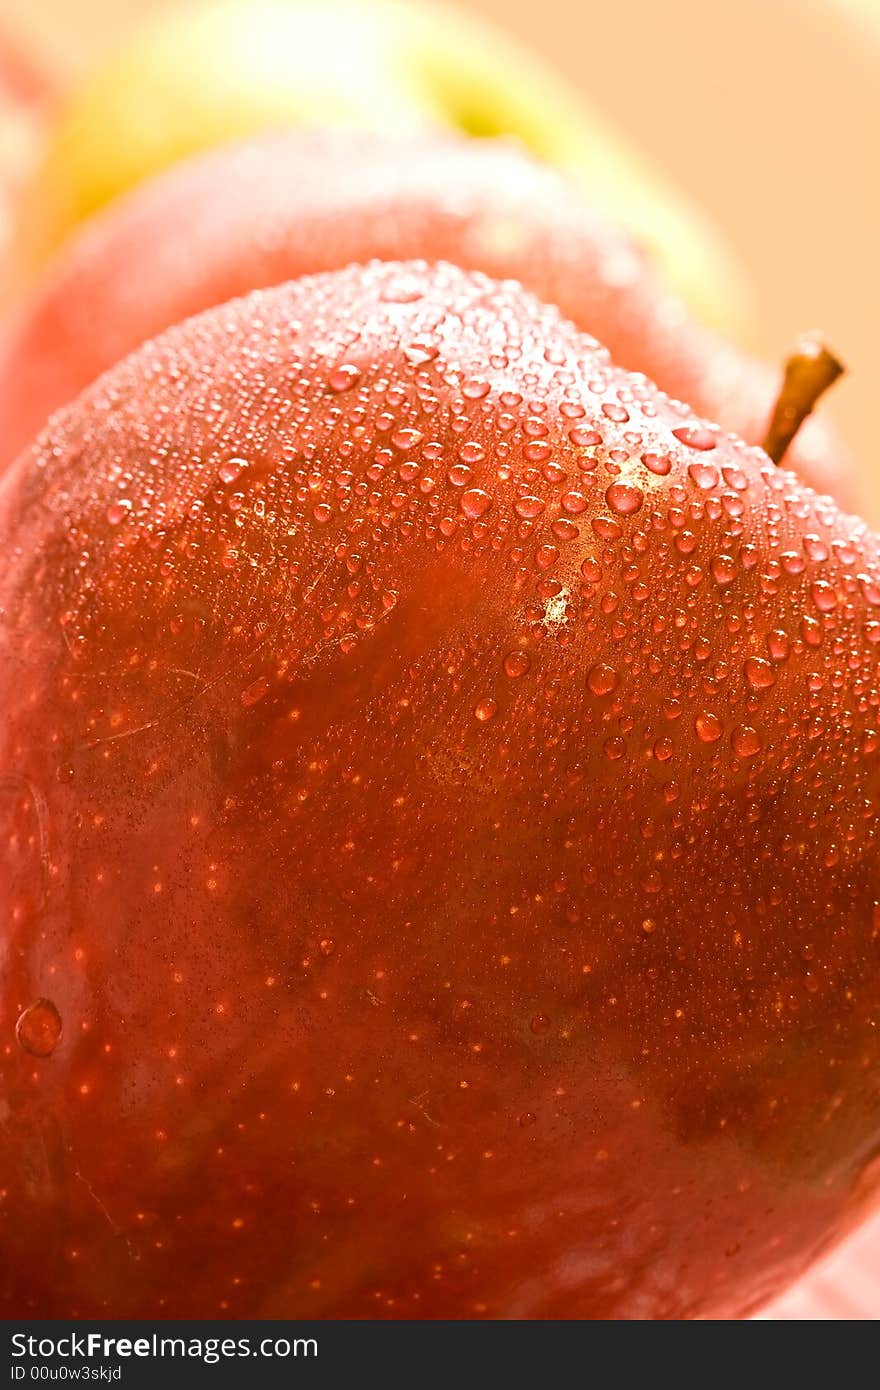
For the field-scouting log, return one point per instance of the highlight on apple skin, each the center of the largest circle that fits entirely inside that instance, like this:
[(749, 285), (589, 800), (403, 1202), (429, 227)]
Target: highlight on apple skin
[(440, 779), (288, 203)]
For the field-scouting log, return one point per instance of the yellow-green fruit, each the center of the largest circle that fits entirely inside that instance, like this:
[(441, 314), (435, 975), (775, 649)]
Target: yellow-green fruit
[(199, 75)]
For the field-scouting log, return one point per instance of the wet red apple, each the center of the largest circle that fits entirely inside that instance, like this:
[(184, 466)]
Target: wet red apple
[(288, 204), (440, 811)]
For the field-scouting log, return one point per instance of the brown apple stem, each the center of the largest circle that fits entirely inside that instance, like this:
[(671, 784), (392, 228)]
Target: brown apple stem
[(809, 371)]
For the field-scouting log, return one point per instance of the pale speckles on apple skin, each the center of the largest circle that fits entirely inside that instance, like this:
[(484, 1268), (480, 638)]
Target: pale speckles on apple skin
[(299, 695)]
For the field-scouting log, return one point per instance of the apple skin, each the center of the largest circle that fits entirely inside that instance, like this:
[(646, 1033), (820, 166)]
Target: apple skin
[(386, 65), (446, 844), (286, 204)]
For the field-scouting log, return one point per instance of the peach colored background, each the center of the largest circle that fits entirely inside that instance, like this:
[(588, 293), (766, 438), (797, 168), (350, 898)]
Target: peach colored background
[(767, 112)]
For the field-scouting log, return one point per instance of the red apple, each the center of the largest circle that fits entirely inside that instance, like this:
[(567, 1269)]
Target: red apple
[(287, 204), (440, 793)]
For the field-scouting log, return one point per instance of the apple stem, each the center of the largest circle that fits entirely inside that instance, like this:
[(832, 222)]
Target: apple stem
[(809, 371)]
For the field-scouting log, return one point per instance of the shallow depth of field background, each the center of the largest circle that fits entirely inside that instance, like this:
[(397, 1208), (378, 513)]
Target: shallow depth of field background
[(767, 112)]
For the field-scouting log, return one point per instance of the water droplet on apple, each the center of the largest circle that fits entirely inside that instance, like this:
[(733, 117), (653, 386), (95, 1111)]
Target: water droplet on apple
[(723, 569), (704, 475), (823, 596), (528, 507), (407, 438), (475, 503), (38, 1029), (759, 673), (419, 354), (516, 664), (602, 679), (746, 741), (870, 589), (708, 728), (574, 503), (657, 463), (118, 511), (344, 377), (537, 451), (459, 474), (696, 436), (231, 471), (624, 498), (475, 390)]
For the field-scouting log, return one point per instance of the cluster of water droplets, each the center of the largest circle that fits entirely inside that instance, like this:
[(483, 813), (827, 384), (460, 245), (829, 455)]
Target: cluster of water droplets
[(649, 552)]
